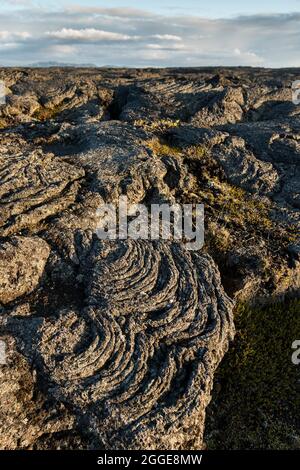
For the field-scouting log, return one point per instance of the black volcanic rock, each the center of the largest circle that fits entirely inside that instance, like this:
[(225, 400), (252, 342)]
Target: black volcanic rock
[(118, 342)]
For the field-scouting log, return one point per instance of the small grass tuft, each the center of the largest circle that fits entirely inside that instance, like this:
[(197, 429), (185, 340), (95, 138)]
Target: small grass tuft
[(161, 125), (235, 207), (195, 152), (163, 150), (45, 114), (3, 123)]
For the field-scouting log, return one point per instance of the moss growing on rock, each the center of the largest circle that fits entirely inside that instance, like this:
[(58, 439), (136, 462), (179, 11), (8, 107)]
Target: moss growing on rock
[(45, 114), (160, 125), (236, 207), (162, 149), (195, 152), (255, 401), (3, 123)]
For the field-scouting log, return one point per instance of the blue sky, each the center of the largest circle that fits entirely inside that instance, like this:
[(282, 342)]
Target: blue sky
[(151, 33), (207, 8)]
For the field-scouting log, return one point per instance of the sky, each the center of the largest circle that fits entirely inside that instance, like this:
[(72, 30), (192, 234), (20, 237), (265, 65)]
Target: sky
[(151, 33)]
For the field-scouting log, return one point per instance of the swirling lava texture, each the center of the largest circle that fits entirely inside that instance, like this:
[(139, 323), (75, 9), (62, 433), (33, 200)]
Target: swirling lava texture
[(138, 361)]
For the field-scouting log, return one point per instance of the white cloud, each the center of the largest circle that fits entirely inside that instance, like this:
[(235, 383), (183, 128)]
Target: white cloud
[(88, 34), (8, 35), (154, 46), (10, 45), (113, 12), (167, 37), (61, 49), (247, 54), (137, 38), (162, 47)]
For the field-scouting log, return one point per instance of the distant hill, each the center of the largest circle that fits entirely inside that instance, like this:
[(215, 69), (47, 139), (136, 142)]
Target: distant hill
[(60, 64)]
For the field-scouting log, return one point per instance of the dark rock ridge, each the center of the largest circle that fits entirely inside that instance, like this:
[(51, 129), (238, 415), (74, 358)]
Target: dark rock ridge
[(115, 344)]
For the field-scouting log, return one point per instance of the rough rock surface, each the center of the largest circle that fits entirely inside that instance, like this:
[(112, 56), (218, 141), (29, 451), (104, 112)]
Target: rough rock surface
[(24, 414), (22, 263), (137, 362), (33, 186), (115, 344)]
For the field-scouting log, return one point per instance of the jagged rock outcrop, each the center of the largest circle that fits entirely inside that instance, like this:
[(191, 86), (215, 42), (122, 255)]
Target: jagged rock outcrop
[(34, 186), (244, 169)]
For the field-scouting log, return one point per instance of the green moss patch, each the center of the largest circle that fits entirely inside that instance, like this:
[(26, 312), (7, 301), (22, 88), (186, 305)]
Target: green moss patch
[(256, 399), (45, 114)]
